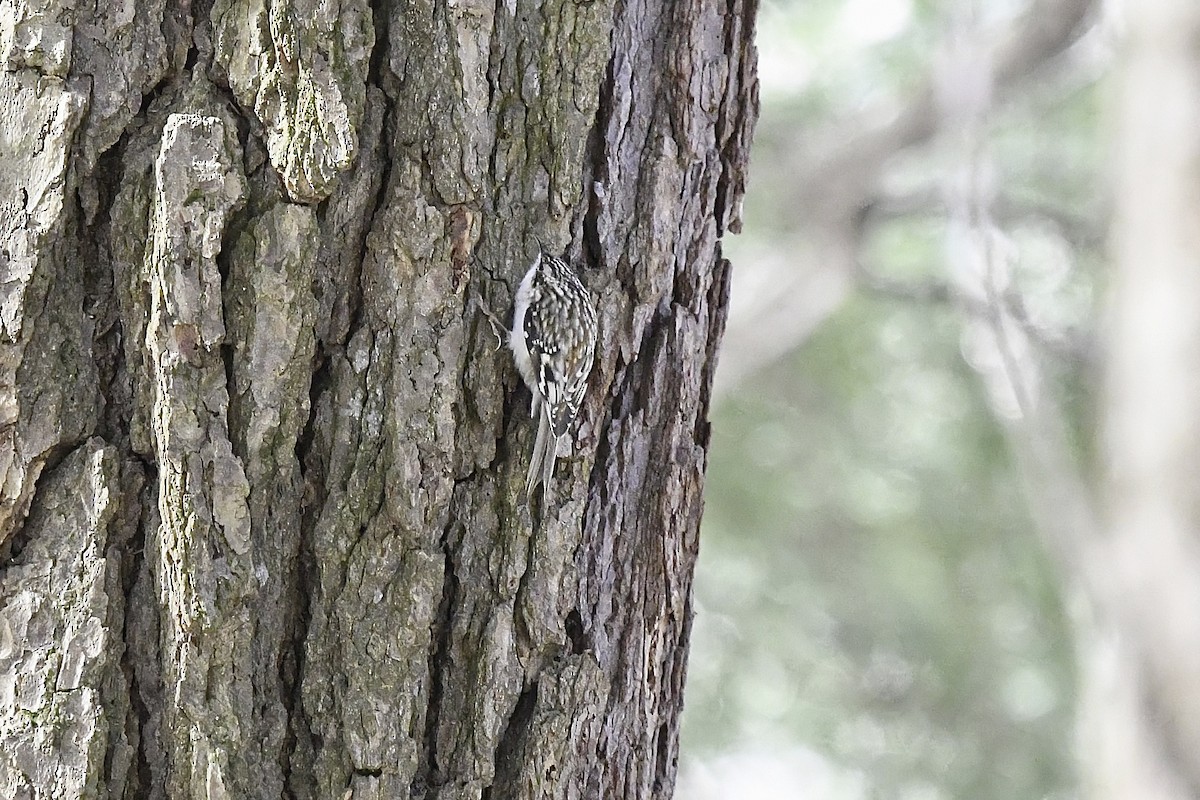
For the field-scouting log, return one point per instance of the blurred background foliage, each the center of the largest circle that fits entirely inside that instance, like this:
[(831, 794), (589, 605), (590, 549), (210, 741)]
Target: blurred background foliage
[(876, 614)]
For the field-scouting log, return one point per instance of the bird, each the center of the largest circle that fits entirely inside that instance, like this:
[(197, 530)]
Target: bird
[(553, 342)]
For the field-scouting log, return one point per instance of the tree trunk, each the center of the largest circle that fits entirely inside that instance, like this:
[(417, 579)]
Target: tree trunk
[(261, 517), (1142, 667)]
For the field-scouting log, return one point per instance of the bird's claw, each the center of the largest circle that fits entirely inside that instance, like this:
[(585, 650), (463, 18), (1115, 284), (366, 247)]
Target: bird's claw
[(498, 328)]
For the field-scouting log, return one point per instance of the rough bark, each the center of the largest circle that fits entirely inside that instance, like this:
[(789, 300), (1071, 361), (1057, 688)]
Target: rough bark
[(260, 522)]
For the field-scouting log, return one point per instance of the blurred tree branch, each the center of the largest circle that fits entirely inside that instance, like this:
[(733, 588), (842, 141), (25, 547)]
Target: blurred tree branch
[(1077, 346), (820, 220), (1008, 208), (835, 185)]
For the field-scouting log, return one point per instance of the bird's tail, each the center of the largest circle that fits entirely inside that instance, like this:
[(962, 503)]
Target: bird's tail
[(545, 451)]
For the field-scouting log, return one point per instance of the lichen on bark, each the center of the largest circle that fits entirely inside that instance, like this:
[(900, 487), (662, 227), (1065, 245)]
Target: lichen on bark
[(46, 379), (301, 66), (59, 639), (200, 551)]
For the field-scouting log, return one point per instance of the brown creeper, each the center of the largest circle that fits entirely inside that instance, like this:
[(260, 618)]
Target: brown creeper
[(553, 338)]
